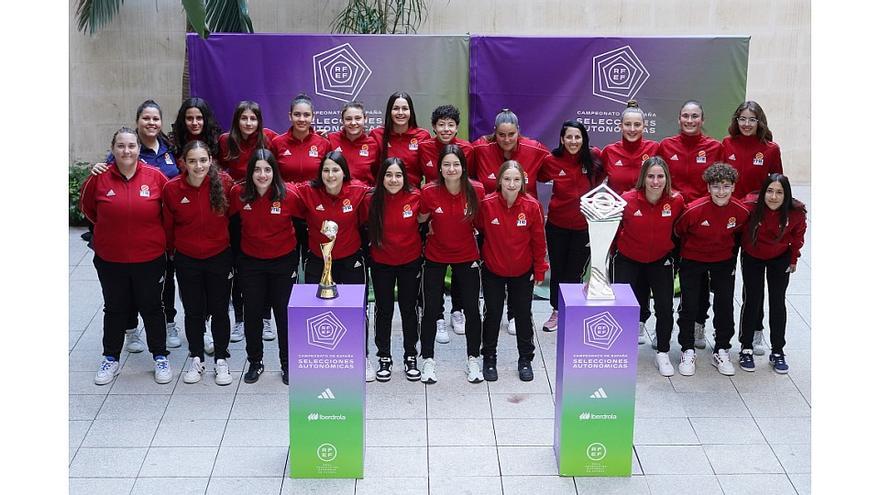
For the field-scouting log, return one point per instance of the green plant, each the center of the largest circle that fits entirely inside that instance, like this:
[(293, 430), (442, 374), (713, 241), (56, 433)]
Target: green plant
[(203, 16), (77, 174), (380, 16)]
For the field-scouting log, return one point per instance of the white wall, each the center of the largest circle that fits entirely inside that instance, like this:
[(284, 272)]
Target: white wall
[(107, 79)]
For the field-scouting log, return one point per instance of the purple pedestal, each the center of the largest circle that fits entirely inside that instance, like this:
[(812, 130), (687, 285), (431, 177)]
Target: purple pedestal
[(327, 388), (596, 362)]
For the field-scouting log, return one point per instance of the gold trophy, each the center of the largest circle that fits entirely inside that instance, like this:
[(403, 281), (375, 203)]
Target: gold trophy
[(326, 287)]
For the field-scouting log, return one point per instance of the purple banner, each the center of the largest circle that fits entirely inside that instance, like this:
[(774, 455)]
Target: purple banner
[(546, 81), (272, 68)]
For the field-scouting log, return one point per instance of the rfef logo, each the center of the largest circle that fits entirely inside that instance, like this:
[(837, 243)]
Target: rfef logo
[(340, 73), (618, 75), (601, 331), (325, 330)]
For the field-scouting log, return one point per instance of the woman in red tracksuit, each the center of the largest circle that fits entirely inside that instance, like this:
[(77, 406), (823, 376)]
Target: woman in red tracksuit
[(195, 121), (360, 150), (125, 206), (334, 195), (574, 168), (514, 252), (771, 246), (194, 208), (299, 150), (623, 160), (396, 259), (267, 263), (644, 250), (245, 136), (405, 135), (750, 148), (688, 155), (452, 204), (506, 143)]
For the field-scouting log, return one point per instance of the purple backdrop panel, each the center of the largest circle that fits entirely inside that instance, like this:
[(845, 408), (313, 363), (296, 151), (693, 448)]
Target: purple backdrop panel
[(596, 364), (546, 81), (327, 388), (272, 68)]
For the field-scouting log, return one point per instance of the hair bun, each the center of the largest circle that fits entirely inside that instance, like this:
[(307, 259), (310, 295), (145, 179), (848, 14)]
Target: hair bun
[(632, 104)]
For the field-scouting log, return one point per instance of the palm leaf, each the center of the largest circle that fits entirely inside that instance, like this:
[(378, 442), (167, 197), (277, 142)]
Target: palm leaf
[(195, 16), (380, 16), (92, 15), (228, 16)]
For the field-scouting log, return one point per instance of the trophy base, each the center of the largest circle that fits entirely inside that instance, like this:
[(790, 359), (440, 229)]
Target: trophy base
[(327, 291)]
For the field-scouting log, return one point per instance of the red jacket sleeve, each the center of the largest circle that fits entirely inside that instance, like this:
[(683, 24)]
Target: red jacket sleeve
[(539, 244), (87, 203), (167, 218), (798, 231)]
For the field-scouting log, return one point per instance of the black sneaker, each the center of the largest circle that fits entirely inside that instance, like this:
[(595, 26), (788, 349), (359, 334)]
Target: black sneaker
[(490, 368), (411, 368), (525, 371), (253, 373), (747, 360), (284, 377), (383, 374), (777, 361)]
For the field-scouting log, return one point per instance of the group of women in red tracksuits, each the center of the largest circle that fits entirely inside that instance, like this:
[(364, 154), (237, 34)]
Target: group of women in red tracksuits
[(236, 214)]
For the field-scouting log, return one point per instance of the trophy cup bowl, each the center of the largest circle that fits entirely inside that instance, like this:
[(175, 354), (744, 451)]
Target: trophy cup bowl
[(326, 286), (603, 209)]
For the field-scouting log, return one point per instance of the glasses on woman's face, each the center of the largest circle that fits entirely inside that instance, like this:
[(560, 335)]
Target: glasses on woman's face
[(720, 188), (747, 120)]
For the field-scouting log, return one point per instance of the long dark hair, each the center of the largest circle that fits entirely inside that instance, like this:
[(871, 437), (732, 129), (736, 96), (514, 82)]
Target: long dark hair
[(469, 193), (762, 132), (589, 165), (375, 221), (788, 204), (389, 122), (235, 138), (277, 189), (338, 158), (211, 130), (219, 203), (163, 138)]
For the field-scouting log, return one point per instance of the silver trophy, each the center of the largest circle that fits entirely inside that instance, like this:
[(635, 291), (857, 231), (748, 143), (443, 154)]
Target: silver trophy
[(604, 209)]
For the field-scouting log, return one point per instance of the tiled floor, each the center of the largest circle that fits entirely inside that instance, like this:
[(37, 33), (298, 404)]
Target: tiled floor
[(705, 434)]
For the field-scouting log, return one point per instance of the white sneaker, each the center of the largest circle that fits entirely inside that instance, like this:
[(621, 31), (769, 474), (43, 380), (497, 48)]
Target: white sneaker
[(442, 335), (643, 333), (221, 373), (237, 332), (511, 326), (688, 364), (663, 364), (429, 371), (109, 368), (371, 373), (209, 342), (721, 360), (758, 346), (163, 370), (133, 342), (474, 371), (194, 373), (458, 322), (172, 339), (699, 335), (268, 331)]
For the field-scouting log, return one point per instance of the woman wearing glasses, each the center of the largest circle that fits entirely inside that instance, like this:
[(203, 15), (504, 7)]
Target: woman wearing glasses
[(750, 148)]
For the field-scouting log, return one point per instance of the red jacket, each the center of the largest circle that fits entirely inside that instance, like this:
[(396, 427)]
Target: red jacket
[(687, 157), (623, 162), (362, 156), (266, 225), (127, 213), (299, 160), (708, 232), (237, 167), (406, 147), (770, 245), (569, 184), (191, 226), (315, 206), (450, 235), (513, 237), (753, 159), (429, 157), (645, 233), (489, 157), (401, 242)]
